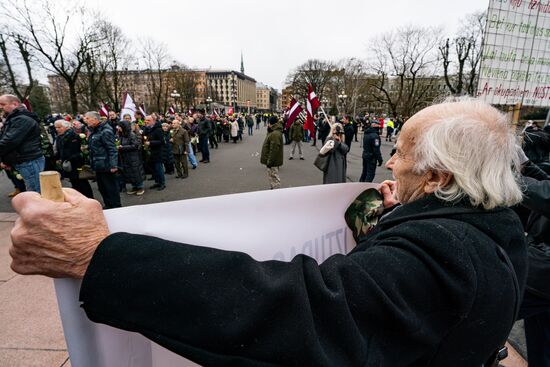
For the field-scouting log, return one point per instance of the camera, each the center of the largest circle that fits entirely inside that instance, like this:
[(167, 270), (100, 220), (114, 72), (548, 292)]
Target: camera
[(338, 130)]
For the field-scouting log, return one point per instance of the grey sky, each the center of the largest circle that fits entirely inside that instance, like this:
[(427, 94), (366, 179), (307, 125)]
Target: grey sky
[(275, 36)]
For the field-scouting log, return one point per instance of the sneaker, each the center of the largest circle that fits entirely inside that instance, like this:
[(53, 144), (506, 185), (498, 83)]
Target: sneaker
[(131, 192), (140, 192), (301, 158), (162, 187), (291, 158), (154, 186)]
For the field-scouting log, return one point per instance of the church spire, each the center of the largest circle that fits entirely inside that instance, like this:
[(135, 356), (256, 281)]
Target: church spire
[(242, 63)]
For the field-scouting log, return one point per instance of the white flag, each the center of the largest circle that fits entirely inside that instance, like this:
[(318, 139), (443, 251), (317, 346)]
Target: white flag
[(128, 106)]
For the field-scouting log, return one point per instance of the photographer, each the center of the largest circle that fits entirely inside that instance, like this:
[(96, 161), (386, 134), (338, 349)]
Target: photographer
[(337, 164)]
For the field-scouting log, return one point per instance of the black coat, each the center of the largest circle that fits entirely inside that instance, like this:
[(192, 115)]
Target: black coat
[(101, 145), (348, 133), (68, 149), (130, 159), (371, 144), (426, 288), (20, 140), (167, 155), (155, 137)]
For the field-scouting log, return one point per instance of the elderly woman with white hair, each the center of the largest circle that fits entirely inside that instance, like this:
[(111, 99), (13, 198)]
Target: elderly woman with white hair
[(436, 283)]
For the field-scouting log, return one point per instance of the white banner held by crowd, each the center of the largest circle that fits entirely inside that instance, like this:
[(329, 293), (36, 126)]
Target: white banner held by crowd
[(280, 224)]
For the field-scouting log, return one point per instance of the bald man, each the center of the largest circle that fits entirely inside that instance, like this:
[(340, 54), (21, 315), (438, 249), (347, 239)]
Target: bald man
[(20, 141), (437, 283)]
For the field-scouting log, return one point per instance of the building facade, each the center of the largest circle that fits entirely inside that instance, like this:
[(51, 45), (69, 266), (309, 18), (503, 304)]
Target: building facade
[(231, 88), (266, 98)]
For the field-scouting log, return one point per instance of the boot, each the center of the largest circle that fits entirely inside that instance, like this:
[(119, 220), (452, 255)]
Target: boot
[(14, 193)]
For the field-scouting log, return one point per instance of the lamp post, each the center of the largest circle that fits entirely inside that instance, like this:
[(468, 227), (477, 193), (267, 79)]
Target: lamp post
[(342, 97), (176, 96), (208, 101)]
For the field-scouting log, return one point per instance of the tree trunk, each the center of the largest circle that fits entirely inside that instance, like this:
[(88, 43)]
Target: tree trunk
[(73, 97)]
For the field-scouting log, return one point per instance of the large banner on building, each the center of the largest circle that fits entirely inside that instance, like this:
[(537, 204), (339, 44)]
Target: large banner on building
[(515, 60)]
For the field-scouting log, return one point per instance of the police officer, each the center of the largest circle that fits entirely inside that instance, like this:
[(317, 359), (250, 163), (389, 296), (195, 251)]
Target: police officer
[(371, 151)]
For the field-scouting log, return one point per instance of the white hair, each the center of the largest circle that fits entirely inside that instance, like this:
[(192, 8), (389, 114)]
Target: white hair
[(476, 144), (63, 123)]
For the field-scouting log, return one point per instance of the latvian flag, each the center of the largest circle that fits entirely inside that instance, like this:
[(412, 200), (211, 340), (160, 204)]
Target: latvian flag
[(103, 110), (171, 110), (312, 104), (294, 110)]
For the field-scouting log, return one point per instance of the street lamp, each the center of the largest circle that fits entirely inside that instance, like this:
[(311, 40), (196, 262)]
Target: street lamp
[(342, 97), (208, 101), (176, 96)]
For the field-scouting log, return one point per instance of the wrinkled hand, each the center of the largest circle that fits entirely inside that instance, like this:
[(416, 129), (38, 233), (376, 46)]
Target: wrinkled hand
[(388, 189), (56, 239)]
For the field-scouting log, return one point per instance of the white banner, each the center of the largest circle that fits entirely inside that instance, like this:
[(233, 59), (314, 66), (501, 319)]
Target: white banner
[(311, 221), (515, 60)]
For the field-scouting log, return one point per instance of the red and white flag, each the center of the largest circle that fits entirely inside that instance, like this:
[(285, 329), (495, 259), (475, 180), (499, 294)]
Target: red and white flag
[(103, 109), (312, 104), (293, 111), (128, 106), (171, 110), (142, 109)]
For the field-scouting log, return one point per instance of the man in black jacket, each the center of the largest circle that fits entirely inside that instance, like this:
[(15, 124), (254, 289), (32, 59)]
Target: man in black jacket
[(205, 130), (371, 152), (69, 157), (103, 159), (436, 283), (20, 145), (154, 142)]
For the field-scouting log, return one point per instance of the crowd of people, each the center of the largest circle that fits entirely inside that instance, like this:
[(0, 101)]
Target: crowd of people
[(118, 152)]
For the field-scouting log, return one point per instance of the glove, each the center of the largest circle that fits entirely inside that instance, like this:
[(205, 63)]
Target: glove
[(380, 163)]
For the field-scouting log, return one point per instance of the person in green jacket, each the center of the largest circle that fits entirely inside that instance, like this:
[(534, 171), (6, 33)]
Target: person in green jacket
[(272, 151), (296, 136)]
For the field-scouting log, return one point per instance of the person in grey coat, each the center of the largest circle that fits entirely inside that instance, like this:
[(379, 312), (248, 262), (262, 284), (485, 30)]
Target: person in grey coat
[(337, 149)]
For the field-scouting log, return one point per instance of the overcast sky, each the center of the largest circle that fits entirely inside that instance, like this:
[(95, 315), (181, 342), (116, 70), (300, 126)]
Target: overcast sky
[(275, 36)]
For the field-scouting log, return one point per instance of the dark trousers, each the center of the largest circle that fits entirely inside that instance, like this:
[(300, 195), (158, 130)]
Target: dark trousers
[(250, 130), (213, 141), (82, 186), (158, 173), (107, 183), (535, 312), (203, 147), (369, 169)]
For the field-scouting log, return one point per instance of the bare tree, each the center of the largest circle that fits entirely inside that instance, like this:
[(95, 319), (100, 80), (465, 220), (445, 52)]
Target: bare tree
[(7, 42), (348, 78), (316, 72), (461, 55), (116, 49), (185, 82), (49, 35), (404, 63), (156, 59)]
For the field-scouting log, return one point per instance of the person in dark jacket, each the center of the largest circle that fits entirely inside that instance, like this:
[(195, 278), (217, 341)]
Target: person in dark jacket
[(204, 132), (272, 152), (155, 143), (348, 131), (296, 135), (337, 151), (103, 159), (167, 155), (435, 283), (20, 143), (536, 145), (129, 151), (535, 307), (324, 130), (371, 152), (70, 158)]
